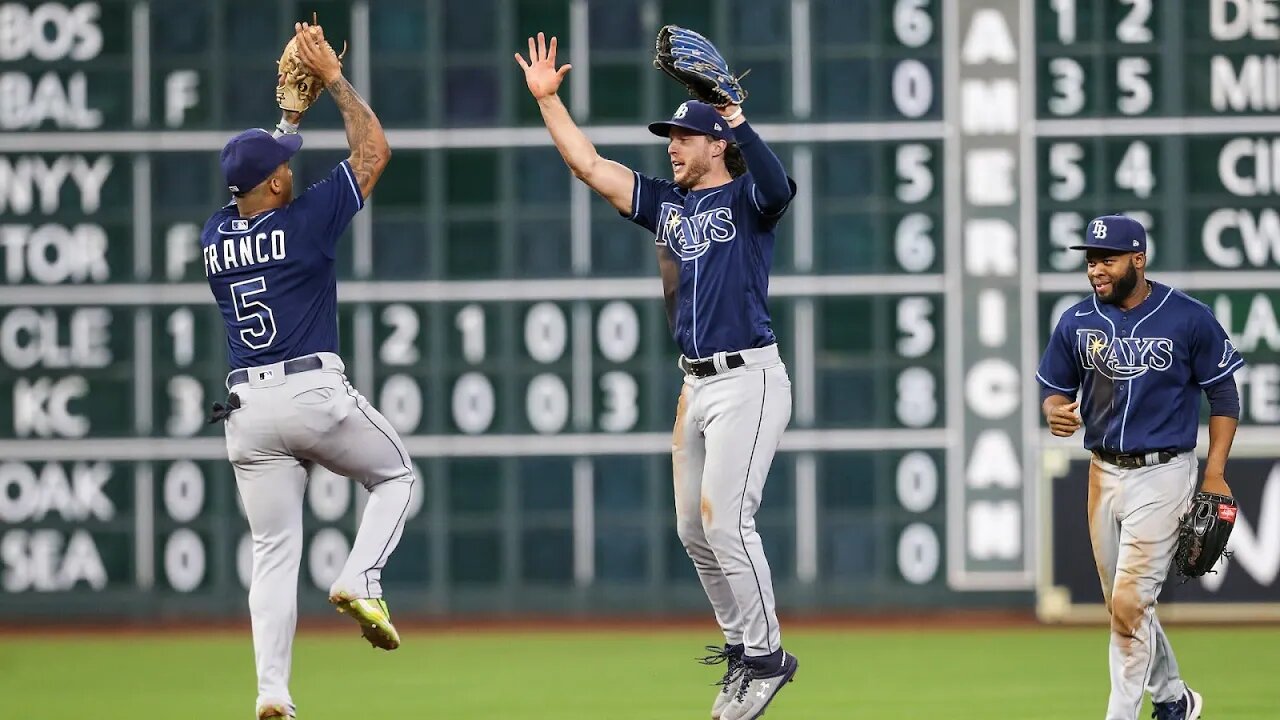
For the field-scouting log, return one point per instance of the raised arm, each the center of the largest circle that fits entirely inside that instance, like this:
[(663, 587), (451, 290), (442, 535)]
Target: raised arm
[(613, 181), (369, 149), (773, 190), (289, 122)]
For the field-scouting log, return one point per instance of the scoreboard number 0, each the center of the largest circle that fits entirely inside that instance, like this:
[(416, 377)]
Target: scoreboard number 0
[(547, 399)]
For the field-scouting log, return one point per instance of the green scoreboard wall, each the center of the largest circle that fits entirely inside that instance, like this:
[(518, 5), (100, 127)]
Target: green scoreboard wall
[(510, 325)]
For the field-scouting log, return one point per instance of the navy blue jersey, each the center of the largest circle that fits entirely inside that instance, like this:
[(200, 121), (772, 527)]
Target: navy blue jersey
[(273, 275), (1141, 371), (723, 244)]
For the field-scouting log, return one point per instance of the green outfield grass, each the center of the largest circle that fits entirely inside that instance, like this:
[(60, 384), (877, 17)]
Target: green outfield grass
[(1049, 673)]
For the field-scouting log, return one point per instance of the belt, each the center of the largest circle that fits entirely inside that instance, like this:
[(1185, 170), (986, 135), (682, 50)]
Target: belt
[(296, 365), (1136, 460), (707, 368)]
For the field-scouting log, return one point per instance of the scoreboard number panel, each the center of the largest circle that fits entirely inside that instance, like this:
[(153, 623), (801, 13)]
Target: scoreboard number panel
[(511, 326), (546, 367)]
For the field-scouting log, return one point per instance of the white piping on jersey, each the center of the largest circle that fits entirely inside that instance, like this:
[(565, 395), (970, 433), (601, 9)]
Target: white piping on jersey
[(635, 196), (696, 207), (346, 169), (1113, 337), (248, 230), (1055, 387), (696, 352), (1234, 366), (1124, 419)]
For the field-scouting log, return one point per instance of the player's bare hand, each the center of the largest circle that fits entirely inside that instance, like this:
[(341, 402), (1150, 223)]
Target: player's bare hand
[(540, 71), (728, 110), (1215, 481), (316, 54), (1064, 421)]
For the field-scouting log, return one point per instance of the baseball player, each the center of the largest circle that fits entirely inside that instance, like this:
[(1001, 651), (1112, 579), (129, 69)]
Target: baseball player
[(269, 259), (715, 236), (1139, 353)]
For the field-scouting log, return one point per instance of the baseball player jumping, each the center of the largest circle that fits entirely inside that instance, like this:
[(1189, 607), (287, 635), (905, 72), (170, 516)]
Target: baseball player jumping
[(1140, 353), (269, 259), (714, 228)]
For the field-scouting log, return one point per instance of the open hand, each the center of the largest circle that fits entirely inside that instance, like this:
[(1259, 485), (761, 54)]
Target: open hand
[(1064, 421), (540, 71)]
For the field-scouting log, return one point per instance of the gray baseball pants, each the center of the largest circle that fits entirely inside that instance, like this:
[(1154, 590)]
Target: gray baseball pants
[(1133, 523), (286, 423), (726, 432)]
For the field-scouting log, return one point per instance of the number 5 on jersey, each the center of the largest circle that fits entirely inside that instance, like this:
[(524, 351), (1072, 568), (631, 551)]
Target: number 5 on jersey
[(263, 331)]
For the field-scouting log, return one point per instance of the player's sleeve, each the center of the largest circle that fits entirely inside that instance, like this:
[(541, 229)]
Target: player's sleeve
[(1059, 371), (771, 189), (1213, 356), (646, 200), (329, 205)]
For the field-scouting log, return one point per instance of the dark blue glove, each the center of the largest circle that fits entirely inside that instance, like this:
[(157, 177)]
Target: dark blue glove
[(695, 63)]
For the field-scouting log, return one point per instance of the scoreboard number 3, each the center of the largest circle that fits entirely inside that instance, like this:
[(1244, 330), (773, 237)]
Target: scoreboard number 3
[(547, 339), (1133, 88)]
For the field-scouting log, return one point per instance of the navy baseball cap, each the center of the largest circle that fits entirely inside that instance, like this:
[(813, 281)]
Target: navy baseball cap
[(1114, 232), (698, 117), (250, 157)]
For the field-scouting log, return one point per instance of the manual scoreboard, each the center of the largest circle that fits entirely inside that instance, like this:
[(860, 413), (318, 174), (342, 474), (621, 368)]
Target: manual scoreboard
[(510, 325)]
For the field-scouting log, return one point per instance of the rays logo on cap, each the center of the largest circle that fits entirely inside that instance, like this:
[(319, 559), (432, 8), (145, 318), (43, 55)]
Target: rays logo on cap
[(681, 111), (1100, 230)]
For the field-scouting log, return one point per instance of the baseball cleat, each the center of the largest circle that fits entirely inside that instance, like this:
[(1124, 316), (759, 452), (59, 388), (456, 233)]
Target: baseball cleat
[(374, 619), (755, 693), (731, 655), (1187, 707), (274, 711)]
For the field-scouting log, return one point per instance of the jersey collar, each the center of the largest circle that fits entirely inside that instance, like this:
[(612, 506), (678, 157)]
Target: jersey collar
[(1159, 293)]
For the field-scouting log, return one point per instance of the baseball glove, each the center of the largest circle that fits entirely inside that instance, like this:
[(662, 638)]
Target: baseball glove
[(296, 88), (1202, 534), (695, 63)]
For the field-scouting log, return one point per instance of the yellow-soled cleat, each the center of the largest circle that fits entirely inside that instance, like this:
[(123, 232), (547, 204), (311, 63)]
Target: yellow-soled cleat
[(275, 711), (374, 619)]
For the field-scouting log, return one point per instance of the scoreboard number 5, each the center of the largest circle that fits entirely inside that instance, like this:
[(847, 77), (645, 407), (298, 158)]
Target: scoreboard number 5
[(917, 402), (1066, 166), (1068, 75)]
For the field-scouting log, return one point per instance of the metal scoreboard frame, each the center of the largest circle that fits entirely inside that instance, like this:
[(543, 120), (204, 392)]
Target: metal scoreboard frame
[(995, 282)]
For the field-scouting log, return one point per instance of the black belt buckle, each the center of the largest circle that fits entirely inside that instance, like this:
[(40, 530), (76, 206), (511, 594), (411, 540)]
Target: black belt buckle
[(1136, 460), (702, 368), (296, 365), (707, 368), (1130, 462)]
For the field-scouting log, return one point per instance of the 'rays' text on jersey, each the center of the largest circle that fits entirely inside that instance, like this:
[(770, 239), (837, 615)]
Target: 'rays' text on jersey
[(690, 237), (1123, 358), (244, 251)]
